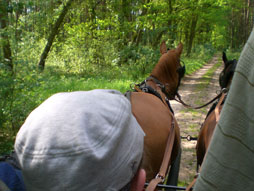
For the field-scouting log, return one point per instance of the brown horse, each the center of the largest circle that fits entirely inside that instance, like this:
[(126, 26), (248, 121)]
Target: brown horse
[(152, 109), (211, 120)]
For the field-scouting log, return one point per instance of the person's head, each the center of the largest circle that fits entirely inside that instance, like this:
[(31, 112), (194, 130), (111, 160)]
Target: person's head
[(85, 140)]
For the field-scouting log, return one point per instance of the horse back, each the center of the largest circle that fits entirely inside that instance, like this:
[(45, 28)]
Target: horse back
[(155, 118), (205, 135)]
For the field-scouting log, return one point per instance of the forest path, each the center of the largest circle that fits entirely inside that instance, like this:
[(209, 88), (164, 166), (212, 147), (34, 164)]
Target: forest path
[(195, 89)]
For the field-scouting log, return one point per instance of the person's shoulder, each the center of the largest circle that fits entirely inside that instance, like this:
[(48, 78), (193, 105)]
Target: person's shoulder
[(10, 176)]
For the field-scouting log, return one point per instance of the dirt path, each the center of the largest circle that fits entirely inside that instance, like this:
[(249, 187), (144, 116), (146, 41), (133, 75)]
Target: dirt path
[(195, 89)]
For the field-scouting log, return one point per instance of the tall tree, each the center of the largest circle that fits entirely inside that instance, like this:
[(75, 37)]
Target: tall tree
[(5, 39), (53, 34), (192, 33)]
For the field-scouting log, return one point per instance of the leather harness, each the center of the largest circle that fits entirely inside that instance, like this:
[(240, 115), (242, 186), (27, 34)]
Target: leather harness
[(161, 175), (144, 87)]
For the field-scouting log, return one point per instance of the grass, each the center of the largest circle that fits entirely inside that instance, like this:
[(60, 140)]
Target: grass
[(193, 127), (35, 91), (233, 54), (33, 88), (7, 139), (206, 78), (193, 112), (73, 84), (196, 61), (193, 65)]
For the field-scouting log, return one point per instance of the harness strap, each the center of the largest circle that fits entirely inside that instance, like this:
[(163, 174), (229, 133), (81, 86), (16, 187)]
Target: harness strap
[(137, 88), (167, 154), (160, 177), (162, 86), (217, 108), (156, 81), (190, 186), (149, 89)]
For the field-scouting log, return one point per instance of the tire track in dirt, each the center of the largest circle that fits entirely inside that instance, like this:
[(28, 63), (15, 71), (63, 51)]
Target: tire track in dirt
[(190, 120)]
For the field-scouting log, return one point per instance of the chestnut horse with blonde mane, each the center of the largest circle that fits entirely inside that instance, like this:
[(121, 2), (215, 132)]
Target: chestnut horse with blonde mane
[(212, 117), (151, 107)]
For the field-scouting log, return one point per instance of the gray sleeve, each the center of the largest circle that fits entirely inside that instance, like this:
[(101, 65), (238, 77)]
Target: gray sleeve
[(229, 163)]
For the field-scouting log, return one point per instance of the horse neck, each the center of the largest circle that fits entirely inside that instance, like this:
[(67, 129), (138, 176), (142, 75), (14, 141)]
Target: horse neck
[(228, 77), (158, 89), (229, 82), (166, 78)]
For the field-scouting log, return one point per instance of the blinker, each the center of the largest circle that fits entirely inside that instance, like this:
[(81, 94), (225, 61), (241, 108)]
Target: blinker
[(181, 71)]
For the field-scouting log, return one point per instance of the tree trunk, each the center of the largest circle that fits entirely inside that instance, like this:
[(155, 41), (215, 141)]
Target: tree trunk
[(5, 39), (232, 29), (170, 9), (54, 32), (157, 40), (247, 19), (137, 36), (192, 33)]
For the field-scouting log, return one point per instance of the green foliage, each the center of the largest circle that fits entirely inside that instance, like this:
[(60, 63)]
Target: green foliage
[(6, 83), (233, 54), (201, 55), (104, 44), (139, 59), (204, 51), (207, 76)]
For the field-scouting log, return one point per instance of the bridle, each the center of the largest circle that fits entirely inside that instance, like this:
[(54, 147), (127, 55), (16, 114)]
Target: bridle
[(144, 87), (175, 95), (181, 71), (226, 73)]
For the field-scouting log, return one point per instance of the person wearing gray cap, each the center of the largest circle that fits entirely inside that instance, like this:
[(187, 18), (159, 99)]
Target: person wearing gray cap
[(84, 140)]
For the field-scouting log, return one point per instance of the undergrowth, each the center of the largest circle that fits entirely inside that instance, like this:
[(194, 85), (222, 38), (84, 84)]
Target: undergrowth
[(24, 90)]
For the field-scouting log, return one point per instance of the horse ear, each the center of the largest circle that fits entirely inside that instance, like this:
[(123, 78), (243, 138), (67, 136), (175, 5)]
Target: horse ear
[(163, 47), (179, 48), (224, 57)]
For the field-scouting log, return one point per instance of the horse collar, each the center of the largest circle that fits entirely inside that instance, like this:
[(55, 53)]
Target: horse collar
[(224, 90), (161, 85), (148, 89)]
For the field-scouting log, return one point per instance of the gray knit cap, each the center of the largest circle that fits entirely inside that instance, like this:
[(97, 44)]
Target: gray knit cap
[(84, 140)]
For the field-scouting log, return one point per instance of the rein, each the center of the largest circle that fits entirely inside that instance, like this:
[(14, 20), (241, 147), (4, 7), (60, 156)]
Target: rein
[(217, 108), (179, 100), (138, 87), (160, 177)]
